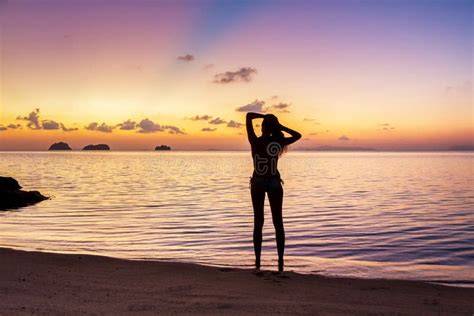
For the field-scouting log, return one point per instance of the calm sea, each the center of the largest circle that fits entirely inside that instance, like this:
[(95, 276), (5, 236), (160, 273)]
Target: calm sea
[(390, 215)]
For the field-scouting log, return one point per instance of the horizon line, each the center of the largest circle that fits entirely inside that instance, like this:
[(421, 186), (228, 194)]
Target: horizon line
[(247, 150)]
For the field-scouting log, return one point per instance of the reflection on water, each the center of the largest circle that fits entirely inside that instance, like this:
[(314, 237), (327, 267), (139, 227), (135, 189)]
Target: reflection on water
[(402, 215)]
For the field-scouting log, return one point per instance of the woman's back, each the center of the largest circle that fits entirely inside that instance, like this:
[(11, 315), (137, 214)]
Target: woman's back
[(265, 153)]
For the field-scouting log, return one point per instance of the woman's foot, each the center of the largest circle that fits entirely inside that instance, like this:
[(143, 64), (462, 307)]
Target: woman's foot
[(257, 264)]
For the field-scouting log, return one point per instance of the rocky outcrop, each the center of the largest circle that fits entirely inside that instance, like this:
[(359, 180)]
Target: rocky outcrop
[(97, 147), (11, 195), (162, 147), (59, 146)]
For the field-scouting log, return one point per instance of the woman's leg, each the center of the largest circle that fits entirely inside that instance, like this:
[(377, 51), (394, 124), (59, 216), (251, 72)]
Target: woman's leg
[(258, 198), (275, 195)]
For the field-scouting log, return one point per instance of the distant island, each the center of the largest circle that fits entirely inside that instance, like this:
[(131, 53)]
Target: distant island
[(336, 148), (162, 147), (97, 147), (462, 148), (59, 146)]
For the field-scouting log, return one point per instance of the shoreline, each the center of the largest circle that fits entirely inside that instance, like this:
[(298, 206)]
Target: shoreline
[(52, 283)]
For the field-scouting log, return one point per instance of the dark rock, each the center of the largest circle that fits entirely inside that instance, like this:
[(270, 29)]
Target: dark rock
[(7, 183), (97, 147), (12, 197), (59, 146), (163, 147)]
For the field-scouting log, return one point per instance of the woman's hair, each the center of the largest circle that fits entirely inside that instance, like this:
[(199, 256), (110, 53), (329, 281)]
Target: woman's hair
[(272, 128)]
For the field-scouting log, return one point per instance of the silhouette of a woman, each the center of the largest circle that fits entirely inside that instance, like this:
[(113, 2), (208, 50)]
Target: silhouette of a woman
[(266, 150)]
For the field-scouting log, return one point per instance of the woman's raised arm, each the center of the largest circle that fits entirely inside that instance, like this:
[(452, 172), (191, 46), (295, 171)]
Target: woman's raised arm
[(294, 135), (248, 122)]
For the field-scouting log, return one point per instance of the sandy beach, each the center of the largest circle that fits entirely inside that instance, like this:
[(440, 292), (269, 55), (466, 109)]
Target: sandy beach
[(47, 283)]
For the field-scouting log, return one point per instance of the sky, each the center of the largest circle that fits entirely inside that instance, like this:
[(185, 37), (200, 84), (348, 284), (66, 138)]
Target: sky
[(390, 75)]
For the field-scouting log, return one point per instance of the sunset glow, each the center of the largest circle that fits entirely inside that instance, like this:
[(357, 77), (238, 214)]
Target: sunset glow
[(390, 75)]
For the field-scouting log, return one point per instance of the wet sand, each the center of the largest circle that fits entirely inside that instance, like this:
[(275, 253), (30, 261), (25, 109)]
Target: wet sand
[(46, 283)]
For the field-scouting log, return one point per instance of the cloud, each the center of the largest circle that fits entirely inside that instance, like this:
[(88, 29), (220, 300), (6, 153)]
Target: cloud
[(281, 107), (244, 74), (344, 138), (217, 121), (32, 119), (387, 127), (148, 126), (105, 128), (65, 129), (187, 57), (128, 125), (255, 106), (313, 134), (208, 66), (459, 89), (306, 119), (173, 129), (50, 125), (201, 118), (14, 126), (3, 128), (94, 126), (208, 129), (259, 106), (234, 124), (34, 122)]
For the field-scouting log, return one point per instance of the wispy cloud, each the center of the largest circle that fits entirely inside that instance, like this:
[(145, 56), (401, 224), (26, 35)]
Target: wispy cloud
[(344, 138), (234, 124), (148, 126), (255, 106), (217, 121), (281, 107), (66, 129), (104, 128), (259, 106), (35, 123), (173, 129), (32, 119), (127, 125), (204, 117), (3, 128), (307, 119), (50, 125), (14, 126), (187, 57), (244, 74), (386, 127), (208, 129), (208, 66)]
